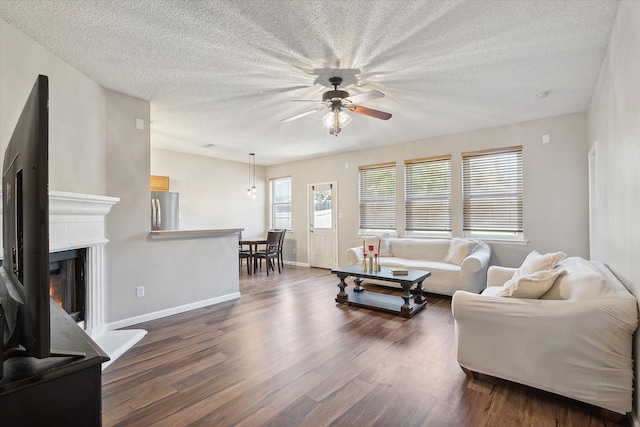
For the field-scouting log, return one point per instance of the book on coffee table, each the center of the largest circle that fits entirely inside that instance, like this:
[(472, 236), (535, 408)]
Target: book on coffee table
[(398, 271)]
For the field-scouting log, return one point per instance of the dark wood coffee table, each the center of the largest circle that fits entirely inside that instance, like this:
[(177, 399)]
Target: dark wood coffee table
[(401, 306)]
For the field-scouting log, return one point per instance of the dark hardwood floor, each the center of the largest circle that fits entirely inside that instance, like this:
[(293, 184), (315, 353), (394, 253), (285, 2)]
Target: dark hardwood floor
[(285, 354)]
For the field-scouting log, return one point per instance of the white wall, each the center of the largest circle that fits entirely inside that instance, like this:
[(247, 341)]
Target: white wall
[(614, 122), (213, 192), (76, 112), (555, 180)]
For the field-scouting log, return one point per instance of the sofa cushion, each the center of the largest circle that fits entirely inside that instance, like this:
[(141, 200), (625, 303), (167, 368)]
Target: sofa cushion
[(418, 264), (582, 280), (459, 249), (492, 291), (531, 286), (443, 275)]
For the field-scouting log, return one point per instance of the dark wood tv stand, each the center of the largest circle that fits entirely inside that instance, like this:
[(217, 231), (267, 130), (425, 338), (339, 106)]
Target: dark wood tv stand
[(56, 391)]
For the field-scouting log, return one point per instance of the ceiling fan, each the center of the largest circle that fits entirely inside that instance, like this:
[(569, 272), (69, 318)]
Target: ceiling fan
[(338, 102)]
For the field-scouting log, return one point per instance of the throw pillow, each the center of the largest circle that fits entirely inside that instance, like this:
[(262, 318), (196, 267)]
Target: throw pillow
[(535, 262), (531, 286), (459, 249)]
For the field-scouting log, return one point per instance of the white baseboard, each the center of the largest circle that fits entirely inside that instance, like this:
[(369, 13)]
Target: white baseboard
[(116, 343), (170, 311), (297, 264)]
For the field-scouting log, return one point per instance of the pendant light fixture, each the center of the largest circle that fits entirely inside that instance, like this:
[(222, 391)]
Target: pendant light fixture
[(251, 191)]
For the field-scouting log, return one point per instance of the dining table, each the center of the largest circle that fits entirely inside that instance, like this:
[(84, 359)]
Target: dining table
[(252, 243)]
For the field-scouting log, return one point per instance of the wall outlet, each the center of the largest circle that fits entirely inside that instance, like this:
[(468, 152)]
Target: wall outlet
[(140, 291)]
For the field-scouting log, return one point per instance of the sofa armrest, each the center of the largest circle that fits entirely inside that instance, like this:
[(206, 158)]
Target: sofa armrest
[(477, 260), (473, 270), (355, 255), (498, 276)]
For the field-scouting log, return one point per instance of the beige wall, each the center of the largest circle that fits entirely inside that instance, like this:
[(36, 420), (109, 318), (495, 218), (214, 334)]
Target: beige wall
[(76, 112), (555, 180), (95, 148), (174, 272), (213, 191), (614, 122)]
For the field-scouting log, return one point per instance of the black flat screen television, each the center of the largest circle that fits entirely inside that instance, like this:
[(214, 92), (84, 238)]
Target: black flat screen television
[(24, 288)]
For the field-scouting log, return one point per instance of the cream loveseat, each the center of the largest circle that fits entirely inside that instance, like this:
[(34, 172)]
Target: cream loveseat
[(575, 340), (454, 263)]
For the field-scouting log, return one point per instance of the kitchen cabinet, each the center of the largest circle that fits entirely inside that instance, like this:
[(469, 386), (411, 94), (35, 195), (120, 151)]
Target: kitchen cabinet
[(159, 183)]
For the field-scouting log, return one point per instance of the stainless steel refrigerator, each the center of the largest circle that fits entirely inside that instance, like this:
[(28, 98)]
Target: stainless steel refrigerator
[(165, 210)]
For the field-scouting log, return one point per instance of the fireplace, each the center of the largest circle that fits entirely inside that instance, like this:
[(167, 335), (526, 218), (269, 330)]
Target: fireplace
[(67, 284), (77, 223)]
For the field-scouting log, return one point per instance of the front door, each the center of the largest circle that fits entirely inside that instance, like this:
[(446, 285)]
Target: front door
[(322, 226)]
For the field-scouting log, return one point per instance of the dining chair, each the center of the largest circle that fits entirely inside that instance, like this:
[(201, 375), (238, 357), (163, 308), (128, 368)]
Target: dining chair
[(270, 251), (280, 246), (243, 254)]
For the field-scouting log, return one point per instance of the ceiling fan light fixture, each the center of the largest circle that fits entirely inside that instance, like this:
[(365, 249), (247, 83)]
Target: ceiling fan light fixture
[(335, 120), (339, 102), (329, 119)]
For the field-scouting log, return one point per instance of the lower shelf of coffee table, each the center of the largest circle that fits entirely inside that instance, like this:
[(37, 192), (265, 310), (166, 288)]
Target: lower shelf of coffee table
[(385, 303)]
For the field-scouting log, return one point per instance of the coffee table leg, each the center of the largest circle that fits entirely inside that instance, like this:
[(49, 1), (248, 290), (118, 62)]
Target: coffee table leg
[(357, 282), (405, 310), (342, 296), (419, 299)]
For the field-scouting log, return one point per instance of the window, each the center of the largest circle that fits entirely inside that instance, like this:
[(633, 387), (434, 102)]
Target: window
[(377, 197), (492, 192), (280, 203), (427, 196)]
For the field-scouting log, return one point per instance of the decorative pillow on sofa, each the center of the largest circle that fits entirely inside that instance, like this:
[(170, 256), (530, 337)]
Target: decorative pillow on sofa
[(385, 246), (535, 262), (459, 249), (531, 286)]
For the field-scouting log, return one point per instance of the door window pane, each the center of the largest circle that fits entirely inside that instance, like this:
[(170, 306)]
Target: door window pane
[(322, 209)]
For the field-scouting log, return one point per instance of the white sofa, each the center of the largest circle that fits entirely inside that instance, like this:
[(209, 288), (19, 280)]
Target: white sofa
[(430, 254), (575, 340)]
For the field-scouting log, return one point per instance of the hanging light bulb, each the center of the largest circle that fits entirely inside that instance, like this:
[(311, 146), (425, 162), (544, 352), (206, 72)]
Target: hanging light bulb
[(251, 191), (335, 120)]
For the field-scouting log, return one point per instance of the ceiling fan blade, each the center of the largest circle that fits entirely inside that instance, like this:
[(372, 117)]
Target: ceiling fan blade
[(306, 100), (365, 96), (297, 116), (371, 112)]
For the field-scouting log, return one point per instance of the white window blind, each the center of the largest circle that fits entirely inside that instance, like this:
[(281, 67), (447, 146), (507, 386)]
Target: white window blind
[(377, 196), (281, 203), (492, 191), (427, 196)]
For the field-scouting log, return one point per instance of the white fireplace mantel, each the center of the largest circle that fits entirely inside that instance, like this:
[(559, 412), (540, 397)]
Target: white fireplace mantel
[(77, 221)]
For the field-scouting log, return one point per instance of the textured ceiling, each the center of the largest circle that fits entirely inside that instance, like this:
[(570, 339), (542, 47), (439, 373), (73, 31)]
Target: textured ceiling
[(225, 72)]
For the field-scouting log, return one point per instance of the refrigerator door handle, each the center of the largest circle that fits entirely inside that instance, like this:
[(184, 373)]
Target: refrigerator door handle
[(159, 219), (154, 223)]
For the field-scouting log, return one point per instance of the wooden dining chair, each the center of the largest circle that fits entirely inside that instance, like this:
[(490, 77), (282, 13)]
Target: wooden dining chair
[(243, 254), (280, 246), (270, 251)]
